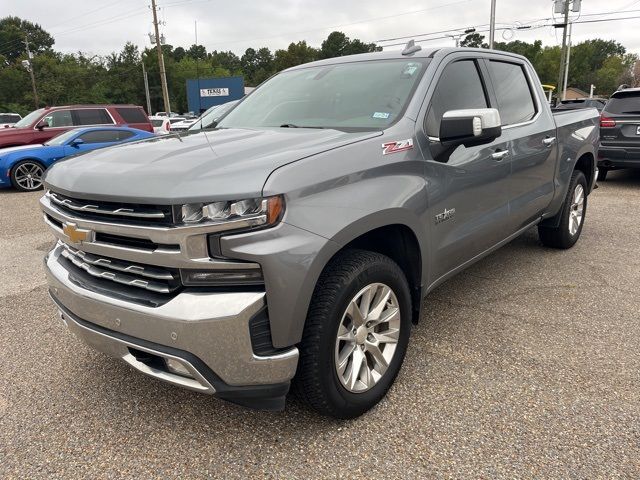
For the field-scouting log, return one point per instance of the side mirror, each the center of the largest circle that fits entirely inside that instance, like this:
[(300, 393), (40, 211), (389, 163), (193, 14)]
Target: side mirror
[(470, 127), (41, 124), (76, 142)]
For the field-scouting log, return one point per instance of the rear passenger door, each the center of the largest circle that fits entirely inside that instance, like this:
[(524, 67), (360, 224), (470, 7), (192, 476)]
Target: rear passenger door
[(84, 117), (531, 132), (467, 190)]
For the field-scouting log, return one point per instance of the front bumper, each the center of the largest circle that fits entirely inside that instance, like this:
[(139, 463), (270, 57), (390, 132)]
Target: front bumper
[(206, 333)]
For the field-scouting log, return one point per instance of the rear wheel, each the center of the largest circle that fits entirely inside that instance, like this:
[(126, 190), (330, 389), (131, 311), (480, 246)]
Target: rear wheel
[(572, 215), (26, 176), (356, 334)]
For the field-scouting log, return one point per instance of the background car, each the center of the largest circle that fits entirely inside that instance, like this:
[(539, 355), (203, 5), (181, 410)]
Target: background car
[(597, 103), (9, 119), (46, 123), (23, 167), (620, 132), (164, 125)]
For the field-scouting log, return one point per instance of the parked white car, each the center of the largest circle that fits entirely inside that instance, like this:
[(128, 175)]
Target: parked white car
[(164, 125), (9, 119)]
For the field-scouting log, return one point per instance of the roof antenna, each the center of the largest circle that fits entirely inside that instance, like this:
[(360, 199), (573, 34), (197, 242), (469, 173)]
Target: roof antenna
[(411, 48)]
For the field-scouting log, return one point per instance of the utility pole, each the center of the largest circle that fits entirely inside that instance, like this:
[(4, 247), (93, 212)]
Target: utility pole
[(563, 54), (30, 70), (198, 70), (146, 88), (456, 37), (163, 73), (492, 23), (566, 66)]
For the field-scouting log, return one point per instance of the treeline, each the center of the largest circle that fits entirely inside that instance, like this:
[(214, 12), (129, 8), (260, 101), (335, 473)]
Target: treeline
[(117, 78)]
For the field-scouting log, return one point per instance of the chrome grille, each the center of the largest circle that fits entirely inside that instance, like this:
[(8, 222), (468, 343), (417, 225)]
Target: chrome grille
[(155, 279), (112, 210)]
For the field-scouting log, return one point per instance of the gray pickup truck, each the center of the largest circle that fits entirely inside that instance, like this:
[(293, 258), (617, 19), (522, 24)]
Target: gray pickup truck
[(293, 243)]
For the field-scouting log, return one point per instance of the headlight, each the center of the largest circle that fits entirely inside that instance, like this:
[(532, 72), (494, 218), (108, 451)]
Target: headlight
[(255, 211)]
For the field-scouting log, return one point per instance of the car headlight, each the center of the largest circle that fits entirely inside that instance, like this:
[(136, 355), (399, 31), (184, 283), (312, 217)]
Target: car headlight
[(255, 211)]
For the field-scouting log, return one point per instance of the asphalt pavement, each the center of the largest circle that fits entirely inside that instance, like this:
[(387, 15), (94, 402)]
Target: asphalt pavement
[(527, 365)]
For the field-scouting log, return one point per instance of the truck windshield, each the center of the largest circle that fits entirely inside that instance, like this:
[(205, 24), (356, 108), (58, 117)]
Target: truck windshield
[(29, 119), (368, 95)]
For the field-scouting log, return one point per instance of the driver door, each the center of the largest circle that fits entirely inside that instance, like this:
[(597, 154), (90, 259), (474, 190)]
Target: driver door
[(467, 189)]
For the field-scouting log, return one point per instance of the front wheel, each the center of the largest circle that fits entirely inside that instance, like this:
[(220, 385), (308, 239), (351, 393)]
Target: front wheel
[(356, 334), (26, 176), (572, 215)]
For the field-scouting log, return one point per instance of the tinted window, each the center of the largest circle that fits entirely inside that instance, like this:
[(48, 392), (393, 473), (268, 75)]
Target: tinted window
[(60, 118), (624, 103), (157, 123), (92, 116), (367, 95), (515, 102), (132, 115), (459, 87), (8, 118), (100, 136)]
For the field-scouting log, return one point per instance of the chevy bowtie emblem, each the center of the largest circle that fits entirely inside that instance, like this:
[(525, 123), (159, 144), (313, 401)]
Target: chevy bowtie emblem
[(77, 235)]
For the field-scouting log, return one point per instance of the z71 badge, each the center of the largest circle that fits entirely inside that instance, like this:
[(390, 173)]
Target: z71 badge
[(395, 147)]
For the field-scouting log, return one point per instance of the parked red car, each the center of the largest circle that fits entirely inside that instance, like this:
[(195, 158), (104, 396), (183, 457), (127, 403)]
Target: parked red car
[(45, 123)]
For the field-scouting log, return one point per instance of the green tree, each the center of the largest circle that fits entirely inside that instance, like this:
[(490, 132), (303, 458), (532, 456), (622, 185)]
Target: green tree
[(473, 40), (13, 31), (295, 54), (338, 44)]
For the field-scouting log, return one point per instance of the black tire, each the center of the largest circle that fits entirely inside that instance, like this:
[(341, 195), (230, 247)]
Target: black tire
[(602, 174), (23, 185), (316, 381), (560, 236)]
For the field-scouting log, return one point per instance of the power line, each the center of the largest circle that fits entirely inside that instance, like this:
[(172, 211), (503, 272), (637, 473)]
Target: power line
[(102, 22)]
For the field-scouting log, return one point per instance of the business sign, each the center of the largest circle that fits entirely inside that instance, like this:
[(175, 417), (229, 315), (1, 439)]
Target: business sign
[(214, 92)]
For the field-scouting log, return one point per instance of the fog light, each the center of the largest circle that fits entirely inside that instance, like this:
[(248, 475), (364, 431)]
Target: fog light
[(176, 367), (245, 276)]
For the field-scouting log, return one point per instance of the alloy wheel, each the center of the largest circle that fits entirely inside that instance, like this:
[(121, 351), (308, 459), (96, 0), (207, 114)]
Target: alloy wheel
[(576, 210), (367, 337), (28, 175)]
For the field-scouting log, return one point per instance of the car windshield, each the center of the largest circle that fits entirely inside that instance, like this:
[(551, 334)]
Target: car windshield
[(209, 118), (624, 103), (29, 119), (368, 95), (62, 138)]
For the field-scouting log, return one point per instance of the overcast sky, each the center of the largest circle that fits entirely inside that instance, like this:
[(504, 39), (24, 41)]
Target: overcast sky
[(103, 26)]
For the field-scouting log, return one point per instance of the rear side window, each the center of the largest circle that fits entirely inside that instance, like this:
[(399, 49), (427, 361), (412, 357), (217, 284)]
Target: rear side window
[(92, 116), (459, 87), (515, 101), (132, 115), (624, 103)]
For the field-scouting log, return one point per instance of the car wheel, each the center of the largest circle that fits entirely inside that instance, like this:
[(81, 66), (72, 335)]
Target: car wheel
[(355, 336), (602, 173), (572, 216), (26, 176)]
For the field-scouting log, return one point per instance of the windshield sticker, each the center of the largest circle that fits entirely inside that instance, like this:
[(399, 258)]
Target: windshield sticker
[(395, 147), (382, 115), (410, 68)]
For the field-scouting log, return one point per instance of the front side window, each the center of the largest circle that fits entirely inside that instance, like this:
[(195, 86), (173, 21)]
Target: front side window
[(515, 101), (100, 136), (93, 116), (60, 118), (460, 87), (368, 95)]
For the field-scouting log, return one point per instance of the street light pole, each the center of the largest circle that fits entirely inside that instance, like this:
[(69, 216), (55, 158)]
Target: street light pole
[(492, 23), (163, 74), (563, 54)]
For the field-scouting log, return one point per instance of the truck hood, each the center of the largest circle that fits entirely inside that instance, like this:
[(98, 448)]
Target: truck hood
[(217, 165)]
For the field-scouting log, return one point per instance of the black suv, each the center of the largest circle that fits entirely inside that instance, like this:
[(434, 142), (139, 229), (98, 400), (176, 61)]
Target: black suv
[(620, 132)]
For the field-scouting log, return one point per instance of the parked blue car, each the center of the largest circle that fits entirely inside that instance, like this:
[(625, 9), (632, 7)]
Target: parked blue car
[(23, 167)]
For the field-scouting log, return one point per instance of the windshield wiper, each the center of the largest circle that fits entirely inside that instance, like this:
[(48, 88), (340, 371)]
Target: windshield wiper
[(293, 125)]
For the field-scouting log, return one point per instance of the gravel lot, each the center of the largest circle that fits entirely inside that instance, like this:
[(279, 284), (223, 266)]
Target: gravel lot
[(526, 365)]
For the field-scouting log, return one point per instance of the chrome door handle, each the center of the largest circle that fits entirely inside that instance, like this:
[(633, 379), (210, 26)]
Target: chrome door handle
[(499, 155), (549, 141)]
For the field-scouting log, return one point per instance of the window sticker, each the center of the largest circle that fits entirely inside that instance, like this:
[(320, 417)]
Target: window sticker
[(382, 115), (410, 68)]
